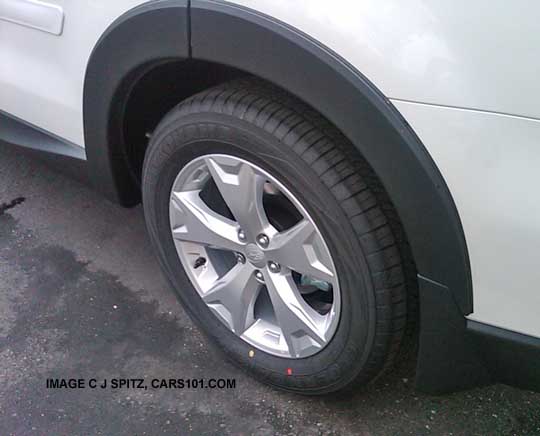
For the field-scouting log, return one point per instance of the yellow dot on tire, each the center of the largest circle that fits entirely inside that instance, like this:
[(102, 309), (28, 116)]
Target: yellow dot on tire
[(251, 353)]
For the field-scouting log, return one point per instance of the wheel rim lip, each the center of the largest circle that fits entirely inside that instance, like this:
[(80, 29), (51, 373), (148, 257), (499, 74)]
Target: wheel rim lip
[(261, 326)]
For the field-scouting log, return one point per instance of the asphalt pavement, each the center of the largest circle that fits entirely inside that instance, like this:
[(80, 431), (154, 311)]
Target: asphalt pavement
[(82, 297)]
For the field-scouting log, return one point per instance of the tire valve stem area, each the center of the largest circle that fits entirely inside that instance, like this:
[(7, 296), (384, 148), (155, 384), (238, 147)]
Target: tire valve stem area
[(201, 261)]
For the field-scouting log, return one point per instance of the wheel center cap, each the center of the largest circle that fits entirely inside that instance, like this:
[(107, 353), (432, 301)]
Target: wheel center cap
[(255, 255)]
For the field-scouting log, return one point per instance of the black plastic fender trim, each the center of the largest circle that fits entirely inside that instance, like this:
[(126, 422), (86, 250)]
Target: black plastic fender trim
[(145, 36), (512, 358), (227, 34), (448, 358), (457, 353), (260, 45)]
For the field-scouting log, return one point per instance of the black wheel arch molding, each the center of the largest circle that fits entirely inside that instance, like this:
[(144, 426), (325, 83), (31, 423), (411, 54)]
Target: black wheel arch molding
[(137, 41), (222, 33), (235, 36)]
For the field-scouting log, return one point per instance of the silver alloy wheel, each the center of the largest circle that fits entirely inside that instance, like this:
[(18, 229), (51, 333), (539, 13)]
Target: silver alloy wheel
[(265, 271)]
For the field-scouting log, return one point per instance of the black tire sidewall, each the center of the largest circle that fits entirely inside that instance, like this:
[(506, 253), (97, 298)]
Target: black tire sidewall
[(179, 141)]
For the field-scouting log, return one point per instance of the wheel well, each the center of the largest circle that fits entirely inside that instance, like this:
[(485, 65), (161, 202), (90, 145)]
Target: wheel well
[(155, 93), (164, 86), (136, 74)]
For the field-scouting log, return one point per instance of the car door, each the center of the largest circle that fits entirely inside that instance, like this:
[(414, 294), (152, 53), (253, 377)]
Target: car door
[(44, 50)]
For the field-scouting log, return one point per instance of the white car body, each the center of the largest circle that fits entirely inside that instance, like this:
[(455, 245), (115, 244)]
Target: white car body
[(463, 75)]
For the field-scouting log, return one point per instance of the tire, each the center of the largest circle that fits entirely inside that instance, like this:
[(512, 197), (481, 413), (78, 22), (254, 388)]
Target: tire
[(259, 123)]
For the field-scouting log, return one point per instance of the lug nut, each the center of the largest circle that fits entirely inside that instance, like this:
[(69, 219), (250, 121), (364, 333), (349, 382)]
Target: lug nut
[(274, 267), (263, 240), (241, 235), (240, 258), (259, 276)]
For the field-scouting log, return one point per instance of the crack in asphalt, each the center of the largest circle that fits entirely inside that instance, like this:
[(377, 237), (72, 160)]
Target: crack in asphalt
[(13, 203)]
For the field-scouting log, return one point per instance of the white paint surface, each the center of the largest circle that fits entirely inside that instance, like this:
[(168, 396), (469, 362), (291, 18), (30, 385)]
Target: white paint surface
[(491, 164)]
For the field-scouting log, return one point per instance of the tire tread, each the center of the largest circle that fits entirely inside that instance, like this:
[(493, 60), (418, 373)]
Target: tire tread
[(355, 186)]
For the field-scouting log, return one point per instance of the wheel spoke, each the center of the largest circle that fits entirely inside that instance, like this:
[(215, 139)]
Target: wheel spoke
[(194, 221), (281, 320), (302, 249), (301, 326), (233, 296), (242, 189)]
